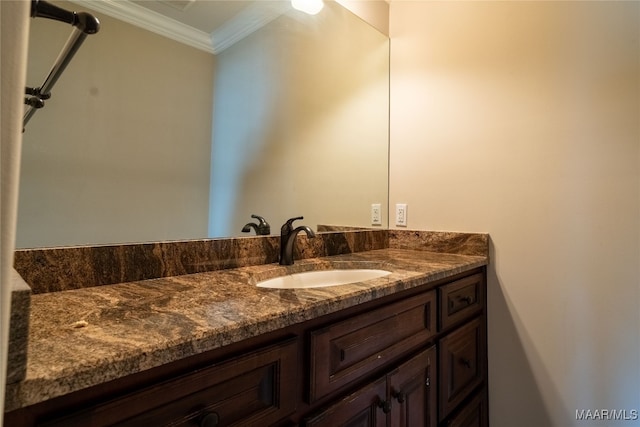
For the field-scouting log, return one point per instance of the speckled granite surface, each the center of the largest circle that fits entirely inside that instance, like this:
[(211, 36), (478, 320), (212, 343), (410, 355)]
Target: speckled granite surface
[(440, 241), (18, 329), (330, 228), (84, 337)]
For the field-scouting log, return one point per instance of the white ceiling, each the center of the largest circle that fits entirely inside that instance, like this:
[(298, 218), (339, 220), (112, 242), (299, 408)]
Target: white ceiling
[(204, 15)]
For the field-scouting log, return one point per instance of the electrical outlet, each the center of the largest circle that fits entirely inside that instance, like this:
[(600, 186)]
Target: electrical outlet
[(376, 214), (401, 214)]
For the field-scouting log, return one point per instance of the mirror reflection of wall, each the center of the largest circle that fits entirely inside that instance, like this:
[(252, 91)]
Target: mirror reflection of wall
[(294, 112), (147, 139)]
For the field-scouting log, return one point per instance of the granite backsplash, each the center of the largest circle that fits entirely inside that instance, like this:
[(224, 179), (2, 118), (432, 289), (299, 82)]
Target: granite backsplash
[(64, 268)]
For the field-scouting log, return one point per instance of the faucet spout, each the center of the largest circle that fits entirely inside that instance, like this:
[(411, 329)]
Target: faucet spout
[(288, 238), (247, 228), (262, 228)]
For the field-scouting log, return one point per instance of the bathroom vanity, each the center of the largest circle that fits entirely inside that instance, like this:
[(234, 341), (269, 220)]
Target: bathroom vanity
[(213, 349)]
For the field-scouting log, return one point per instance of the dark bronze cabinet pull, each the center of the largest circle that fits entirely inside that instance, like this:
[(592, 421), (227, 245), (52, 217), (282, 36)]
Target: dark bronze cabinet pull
[(466, 299), (399, 396), (466, 362), (385, 405), (210, 419)]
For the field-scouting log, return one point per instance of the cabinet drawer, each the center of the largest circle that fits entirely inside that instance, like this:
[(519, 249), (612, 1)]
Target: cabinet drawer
[(461, 364), (347, 350), (256, 389), (460, 300)]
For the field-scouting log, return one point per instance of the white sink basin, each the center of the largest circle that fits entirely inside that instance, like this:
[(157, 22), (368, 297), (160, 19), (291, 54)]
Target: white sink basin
[(322, 278)]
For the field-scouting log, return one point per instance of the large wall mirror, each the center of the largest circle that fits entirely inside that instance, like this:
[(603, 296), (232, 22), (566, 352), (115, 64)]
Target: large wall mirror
[(147, 138)]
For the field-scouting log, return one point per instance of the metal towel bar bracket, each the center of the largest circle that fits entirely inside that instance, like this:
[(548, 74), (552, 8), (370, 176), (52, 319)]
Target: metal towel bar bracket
[(84, 24)]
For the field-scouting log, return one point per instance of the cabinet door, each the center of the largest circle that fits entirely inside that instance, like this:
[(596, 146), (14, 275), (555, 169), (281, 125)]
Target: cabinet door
[(413, 392), (366, 407), (461, 364), (473, 414)]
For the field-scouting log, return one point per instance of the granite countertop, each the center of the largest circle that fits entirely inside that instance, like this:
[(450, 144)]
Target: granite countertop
[(84, 337)]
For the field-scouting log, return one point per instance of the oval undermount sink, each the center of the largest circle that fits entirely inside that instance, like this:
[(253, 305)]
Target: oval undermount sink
[(322, 278)]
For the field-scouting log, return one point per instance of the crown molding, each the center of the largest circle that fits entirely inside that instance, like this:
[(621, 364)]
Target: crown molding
[(246, 22), (149, 20), (250, 19)]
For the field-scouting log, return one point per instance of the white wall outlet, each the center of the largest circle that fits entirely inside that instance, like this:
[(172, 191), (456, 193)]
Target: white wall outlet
[(401, 214), (376, 214)]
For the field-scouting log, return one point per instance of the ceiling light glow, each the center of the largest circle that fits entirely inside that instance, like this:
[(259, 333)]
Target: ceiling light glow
[(308, 6)]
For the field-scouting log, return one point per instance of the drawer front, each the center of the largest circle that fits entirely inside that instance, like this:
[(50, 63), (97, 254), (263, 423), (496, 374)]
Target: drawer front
[(461, 364), (257, 389), (473, 414), (347, 350), (460, 300)]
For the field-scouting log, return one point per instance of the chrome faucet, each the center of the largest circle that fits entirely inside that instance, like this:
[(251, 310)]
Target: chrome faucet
[(288, 237), (262, 228)]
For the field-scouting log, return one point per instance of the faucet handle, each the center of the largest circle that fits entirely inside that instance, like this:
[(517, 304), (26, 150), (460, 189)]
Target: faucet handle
[(288, 225), (261, 220), (264, 228)]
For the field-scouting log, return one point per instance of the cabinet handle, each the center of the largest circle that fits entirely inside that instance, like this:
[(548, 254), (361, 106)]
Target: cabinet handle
[(466, 362), (399, 396), (209, 419), (466, 299), (385, 405)]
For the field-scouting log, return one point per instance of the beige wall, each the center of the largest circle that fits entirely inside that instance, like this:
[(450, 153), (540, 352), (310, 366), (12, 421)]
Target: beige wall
[(121, 151), (521, 119), (375, 12)]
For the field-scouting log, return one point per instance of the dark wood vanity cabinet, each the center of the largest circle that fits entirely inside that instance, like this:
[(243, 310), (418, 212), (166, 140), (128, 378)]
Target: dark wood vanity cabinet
[(404, 397), (416, 358), (439, 371)]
